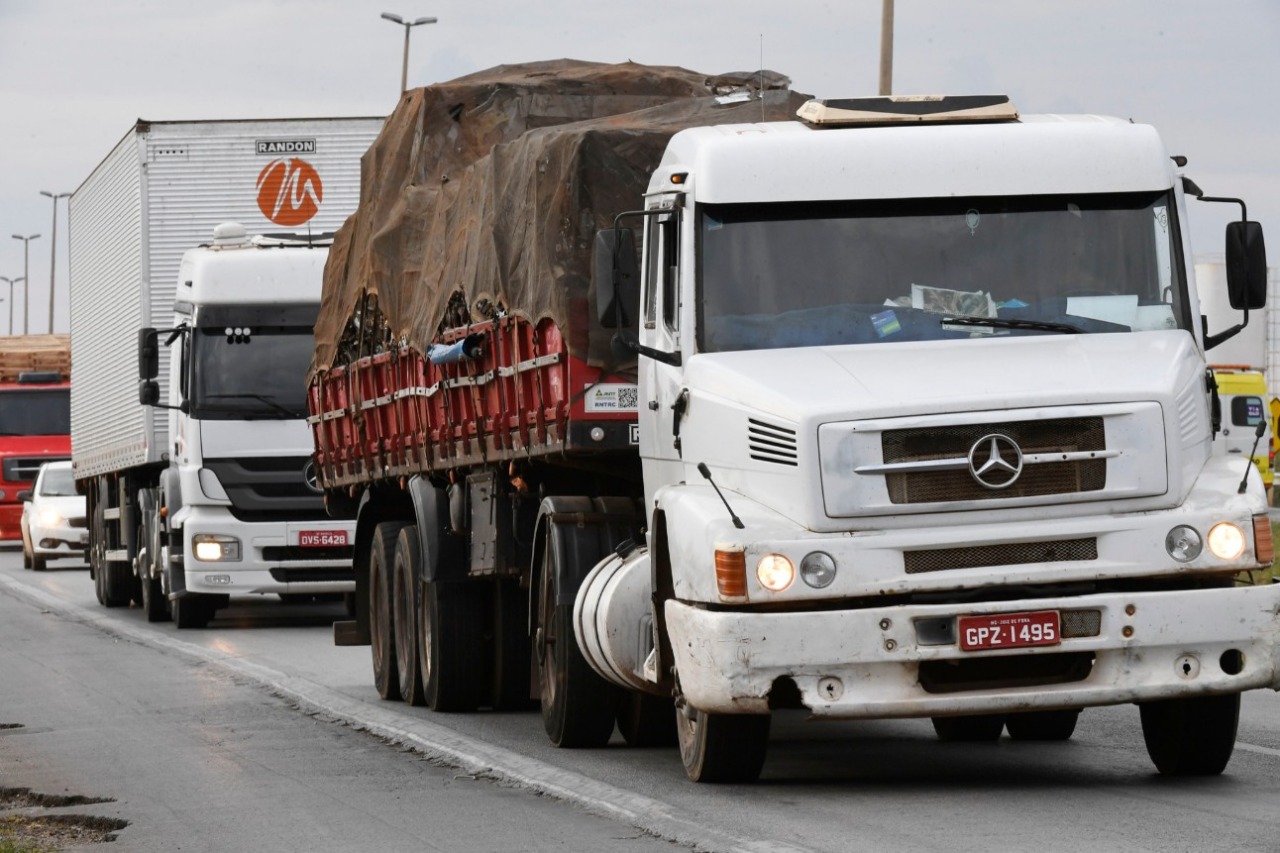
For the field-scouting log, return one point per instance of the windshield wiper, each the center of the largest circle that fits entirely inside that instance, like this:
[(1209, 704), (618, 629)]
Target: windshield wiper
[(1010, 323), (288, 413)]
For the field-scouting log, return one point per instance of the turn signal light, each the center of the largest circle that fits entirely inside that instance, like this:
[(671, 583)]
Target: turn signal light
[(1263, 545), (731, 573)]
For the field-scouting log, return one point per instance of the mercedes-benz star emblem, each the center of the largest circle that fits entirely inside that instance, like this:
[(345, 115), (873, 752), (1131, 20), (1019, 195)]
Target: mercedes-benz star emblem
[(311, 478), (995, 461)]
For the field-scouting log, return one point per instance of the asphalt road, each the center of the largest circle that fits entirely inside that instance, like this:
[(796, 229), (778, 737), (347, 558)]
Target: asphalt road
[(825, 787)]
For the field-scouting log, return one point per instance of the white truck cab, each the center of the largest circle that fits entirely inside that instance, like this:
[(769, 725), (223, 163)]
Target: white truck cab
[(925, 430), (237, 511)]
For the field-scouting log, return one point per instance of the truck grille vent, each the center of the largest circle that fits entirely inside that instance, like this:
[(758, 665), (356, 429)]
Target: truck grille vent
[(1059, 435), (771, 443), (267, 488), (23, 469), (1008, 554)]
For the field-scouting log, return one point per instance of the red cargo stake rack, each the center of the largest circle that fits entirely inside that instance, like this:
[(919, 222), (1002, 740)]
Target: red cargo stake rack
[(396, 413)]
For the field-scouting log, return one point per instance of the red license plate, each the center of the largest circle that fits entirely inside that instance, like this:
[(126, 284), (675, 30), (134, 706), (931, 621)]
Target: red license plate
[(322, 538), (1008, 630)]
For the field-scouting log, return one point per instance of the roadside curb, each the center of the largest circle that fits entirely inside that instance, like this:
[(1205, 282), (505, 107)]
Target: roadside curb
[(434, 742)]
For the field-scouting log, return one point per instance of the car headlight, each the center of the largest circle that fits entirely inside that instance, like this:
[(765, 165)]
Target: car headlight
[(213, 547), (50, 518)]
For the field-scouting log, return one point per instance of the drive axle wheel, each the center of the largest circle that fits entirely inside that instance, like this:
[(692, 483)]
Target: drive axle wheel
[(406, 570), (154, 603), (721, 748), (1193, 736), (381, 628)]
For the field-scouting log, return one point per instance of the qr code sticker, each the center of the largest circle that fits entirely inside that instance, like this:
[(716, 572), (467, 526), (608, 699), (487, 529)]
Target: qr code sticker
[(628, 398), (612, 397)]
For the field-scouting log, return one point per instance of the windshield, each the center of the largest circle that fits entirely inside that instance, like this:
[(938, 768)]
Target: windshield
[(57, 482), (250, 372), (44, 411), (786, 275)]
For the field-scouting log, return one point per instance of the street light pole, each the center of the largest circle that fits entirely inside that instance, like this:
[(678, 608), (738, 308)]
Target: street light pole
[(53, 248), (404, 67), (11, 282), (26, 276)]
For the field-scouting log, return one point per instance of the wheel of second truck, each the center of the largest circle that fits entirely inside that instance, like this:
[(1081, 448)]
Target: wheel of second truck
[(578, 706), (154, 604), (381, 628), (117, 580), (1193, 736), (975, 728), (450, 616), (405, 574), (1043, 725), (722, 748), (646, 720)]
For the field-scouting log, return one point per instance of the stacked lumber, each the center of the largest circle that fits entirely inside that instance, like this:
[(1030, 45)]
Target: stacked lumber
[(35, 353)]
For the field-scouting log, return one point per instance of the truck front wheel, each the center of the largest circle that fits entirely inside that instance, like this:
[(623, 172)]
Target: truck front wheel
[(192, 611), (381, 615), (721, 748), (1193, 736)]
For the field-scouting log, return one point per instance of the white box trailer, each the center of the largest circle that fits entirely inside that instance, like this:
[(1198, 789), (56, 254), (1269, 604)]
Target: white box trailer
[(160, 191)]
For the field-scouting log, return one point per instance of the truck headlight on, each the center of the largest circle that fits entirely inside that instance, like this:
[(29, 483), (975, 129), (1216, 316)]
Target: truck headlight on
[(1183, 543), (212, 547), (775, 572), (818, 569), (1226, 541)]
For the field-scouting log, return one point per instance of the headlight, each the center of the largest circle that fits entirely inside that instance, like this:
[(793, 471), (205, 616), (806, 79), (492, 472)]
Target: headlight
[(50, 518), (1183, 543), (818, 569), (211, 547), (775, 572), (1226, 541)]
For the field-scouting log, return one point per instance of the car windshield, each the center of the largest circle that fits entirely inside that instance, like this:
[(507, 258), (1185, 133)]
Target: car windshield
[(57, 483), (786, 275)]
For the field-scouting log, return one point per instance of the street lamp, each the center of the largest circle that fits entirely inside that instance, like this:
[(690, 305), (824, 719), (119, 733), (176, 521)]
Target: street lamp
[(26, 272), (11, 282), (53, 248), (404, 68)]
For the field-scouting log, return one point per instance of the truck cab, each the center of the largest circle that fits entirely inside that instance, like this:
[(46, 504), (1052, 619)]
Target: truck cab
[(35, 428)]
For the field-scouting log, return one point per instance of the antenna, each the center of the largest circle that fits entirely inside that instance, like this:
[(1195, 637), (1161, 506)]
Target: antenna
[(762, 77), (1257, 436)]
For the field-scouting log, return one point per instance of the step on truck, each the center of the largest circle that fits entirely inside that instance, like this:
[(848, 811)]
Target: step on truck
[(902, 409), (197, 252)]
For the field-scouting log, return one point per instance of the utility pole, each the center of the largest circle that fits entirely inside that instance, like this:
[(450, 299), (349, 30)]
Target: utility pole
[(404, 67), (53, 248), (26, 276), (886, 48)]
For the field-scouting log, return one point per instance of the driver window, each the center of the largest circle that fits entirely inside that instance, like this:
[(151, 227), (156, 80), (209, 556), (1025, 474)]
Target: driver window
[(662, 257)]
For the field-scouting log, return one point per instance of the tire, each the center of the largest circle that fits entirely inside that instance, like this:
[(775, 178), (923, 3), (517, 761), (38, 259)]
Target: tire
[(512, 654), (646, 720), (976, 728), (38, 563), (26, 553), (578, 706), (155, 606), (406, 570), (191, 612), (117, 580), (1043, 725), (381, 628), (722, 748), (451, 654), (1193, 736)]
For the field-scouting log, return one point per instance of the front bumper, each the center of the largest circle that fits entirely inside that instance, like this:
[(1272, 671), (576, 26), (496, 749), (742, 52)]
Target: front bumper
[(869, 663), (58, 541), (275, 557)]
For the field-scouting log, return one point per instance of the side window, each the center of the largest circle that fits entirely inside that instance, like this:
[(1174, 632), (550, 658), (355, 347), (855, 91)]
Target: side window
[(661, 269), (1246, 411)]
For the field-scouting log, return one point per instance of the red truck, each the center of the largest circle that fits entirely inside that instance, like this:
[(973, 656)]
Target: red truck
[(35, 416)]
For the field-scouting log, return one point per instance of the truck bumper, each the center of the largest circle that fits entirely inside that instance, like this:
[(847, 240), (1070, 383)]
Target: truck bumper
[(274, 558), (899, 662)]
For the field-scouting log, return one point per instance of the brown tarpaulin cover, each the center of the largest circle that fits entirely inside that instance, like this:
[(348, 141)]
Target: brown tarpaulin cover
[(492, 187)]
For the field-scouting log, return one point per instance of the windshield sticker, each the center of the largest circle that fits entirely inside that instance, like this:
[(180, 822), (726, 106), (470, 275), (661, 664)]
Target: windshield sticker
[(886, 323)]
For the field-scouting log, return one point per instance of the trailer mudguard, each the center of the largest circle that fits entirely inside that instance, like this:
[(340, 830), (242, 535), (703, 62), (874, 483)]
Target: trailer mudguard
[(443, 559)]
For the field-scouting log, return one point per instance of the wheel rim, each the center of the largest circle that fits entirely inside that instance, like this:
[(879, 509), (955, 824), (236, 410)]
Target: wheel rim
[(426, 629), (377, 594)]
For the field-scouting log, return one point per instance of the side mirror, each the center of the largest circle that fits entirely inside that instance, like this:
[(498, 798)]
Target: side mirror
[(149, 392), (148, 354), (1246, 266), (24, 495), (613, 277)]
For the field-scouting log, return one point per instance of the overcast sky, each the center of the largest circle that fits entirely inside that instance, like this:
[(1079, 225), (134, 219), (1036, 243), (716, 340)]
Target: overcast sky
[(76, 74)]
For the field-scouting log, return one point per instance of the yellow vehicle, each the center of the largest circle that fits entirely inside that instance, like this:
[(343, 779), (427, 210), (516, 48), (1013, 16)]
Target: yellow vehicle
[(1243, 393)]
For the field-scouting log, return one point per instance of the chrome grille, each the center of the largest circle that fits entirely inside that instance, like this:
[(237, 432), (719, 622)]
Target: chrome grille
[(771, 443), (1006, 554), (1059, 435)]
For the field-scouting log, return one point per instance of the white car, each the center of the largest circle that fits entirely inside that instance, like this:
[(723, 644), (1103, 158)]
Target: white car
[(53, 518)]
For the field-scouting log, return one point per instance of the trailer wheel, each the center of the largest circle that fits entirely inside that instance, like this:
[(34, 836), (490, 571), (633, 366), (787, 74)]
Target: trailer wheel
[(512, 649), (381, 629), (1193, 736), (721, 748), (1043, 725), (406, 574), (975, 728), (578, 706), (646, 720), (451, 655)]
